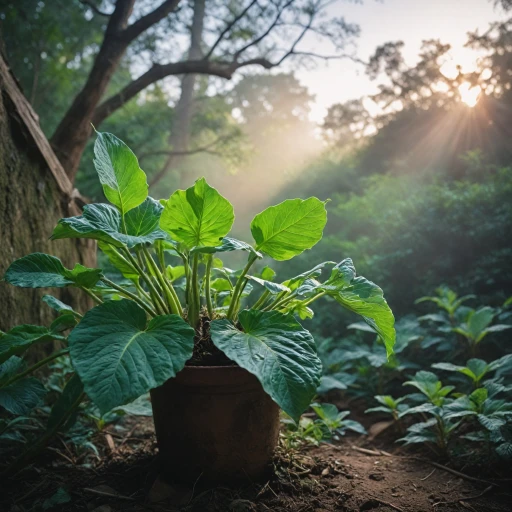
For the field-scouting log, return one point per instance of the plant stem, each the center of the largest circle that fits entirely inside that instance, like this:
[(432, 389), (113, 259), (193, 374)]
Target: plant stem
[(312, 299), (93, 296), (131, 295), (157, 300), (207, 291), (172, 306), (167, 282), (285, 300), (143, 294), (239, 286), (36, 366), (261, 300), (195, 302)]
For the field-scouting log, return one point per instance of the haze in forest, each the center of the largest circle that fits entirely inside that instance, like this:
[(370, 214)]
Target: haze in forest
[(397, 111)]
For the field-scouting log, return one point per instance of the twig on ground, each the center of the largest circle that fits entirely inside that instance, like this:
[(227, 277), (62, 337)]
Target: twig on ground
[(476, 496), (58, 452), (375, 453), (127, 436), (386, 503), (108, 494), (455, 472), (429, 475)]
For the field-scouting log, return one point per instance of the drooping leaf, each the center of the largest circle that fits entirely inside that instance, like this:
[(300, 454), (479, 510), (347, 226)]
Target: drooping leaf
[(118, 356), (21, 396), (58, 305), (38, 270), (313, 273), (278, 351), (289, 228), (21, 337), (124, 182), (228, 244), (367, 299), (104, 223), (67, 399), (342, 275), (269, 285), (198, 216), (124, 266)]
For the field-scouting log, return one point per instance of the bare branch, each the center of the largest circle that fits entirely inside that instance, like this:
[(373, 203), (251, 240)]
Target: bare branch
[(141, 25), (228, 27), (331, 57), (291, 51), (264, 34), (202, 149), (95, 8)]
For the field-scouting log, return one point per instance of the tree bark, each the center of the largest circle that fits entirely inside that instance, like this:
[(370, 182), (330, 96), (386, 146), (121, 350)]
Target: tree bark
[(179, 139), (32, 200)]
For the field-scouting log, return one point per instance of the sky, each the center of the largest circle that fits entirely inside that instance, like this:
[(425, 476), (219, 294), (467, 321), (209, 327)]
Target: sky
[(390, 20)]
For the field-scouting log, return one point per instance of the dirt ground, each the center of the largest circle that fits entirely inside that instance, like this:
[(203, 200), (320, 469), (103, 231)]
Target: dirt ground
[(341, 477)]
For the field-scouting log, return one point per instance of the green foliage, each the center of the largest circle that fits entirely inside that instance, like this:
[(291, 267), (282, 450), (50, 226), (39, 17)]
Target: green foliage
[(40, 270), (198, 216), (278, 350), (118, 357), (142, 330), (288, 229), (124, 182), (330, 423)]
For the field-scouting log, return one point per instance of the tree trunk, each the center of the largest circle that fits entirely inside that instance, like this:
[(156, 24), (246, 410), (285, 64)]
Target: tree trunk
[(34, 194), (74, 130), (179, 139)]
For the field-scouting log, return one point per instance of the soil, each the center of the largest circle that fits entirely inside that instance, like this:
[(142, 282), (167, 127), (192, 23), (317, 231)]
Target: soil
[(205, 352), (353, 475)]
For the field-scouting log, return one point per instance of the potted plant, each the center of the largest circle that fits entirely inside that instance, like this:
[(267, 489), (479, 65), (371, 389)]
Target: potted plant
[(177, 323)]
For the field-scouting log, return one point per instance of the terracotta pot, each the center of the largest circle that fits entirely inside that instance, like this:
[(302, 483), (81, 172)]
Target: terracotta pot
[(214, 422)]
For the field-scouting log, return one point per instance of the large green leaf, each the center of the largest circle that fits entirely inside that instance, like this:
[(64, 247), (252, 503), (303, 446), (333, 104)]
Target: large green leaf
[(291, 227), (198, 216), (278, 351), (38, 270), (21, 337), (124, 182), (118, 356), (22, 395), (367, 299), (104, 223)]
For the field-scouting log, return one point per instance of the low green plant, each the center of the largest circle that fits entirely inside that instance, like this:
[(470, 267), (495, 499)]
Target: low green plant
[(175, 291), (447, 300), (476, 369), (395, 407), (329, 423)]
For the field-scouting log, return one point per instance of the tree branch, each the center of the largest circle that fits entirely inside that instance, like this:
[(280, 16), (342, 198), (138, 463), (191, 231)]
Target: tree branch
[(200, 149), (264, 34), (228, 27), (141, 25), (95, 8)]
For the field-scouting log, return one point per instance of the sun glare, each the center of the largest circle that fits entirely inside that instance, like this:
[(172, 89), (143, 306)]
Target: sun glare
[(469, 95)]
